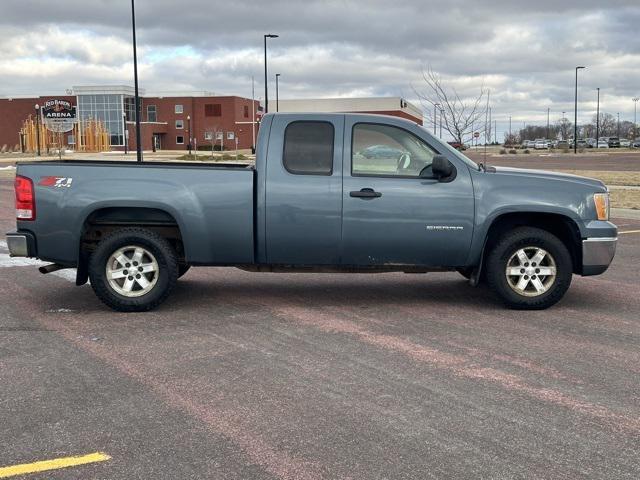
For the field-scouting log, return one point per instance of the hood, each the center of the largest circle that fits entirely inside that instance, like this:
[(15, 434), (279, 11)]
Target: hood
[(545, 174)]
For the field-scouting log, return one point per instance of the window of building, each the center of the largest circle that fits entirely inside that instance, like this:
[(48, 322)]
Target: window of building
[(106, 109), (213, 110), (152, 115), (308, 148), (179, 124), (383, 150), (246, 111), (180, 140), (208, 135), (71, 139), (179, 109)]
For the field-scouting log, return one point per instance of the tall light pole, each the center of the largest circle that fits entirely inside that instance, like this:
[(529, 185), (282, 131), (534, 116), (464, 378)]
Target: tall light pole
[(548, 134), (618, 126), (266, 77), (435, 118), (253, 117), (277, 94), (135, 81), (598, 118), (575, 115), (635, 114), (189, 133), (37, 107)]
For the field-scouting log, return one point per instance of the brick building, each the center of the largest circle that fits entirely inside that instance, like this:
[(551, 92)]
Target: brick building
[(169, 122)]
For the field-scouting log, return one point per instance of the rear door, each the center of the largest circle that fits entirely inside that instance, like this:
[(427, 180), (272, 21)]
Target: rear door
[(392, 216), (303, 201)]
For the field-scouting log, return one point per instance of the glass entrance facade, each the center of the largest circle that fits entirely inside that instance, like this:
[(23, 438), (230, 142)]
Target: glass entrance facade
[(108, 108)]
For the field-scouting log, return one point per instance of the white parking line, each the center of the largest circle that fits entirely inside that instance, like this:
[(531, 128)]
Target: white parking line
[(9, 262)]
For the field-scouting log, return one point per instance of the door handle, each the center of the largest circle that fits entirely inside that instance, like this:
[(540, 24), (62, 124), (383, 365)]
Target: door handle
[(365, 193)]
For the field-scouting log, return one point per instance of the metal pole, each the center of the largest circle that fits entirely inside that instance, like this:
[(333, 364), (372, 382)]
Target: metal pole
[(435, 118), (189, 133), (253, 117), (135, 81), (277, 94), (598, 118), (635, 114), (266, 78), (38, 127), (575, 115), (548, 134), (618, 126)]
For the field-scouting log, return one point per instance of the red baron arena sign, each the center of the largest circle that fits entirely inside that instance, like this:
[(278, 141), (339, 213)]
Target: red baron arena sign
[(58, 115)]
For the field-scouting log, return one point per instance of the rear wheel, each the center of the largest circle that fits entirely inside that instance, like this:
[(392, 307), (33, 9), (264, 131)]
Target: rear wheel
[(529, 268), (133, 270)]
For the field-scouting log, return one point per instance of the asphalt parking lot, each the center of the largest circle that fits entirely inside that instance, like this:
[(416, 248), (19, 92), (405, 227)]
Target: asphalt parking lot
[(305, 376)]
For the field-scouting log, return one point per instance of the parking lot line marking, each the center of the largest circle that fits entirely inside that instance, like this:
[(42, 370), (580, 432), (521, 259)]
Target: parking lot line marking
[(54, 464), (629, 231)]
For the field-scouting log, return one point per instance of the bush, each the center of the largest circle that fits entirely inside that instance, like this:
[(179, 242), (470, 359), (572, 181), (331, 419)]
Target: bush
[(526, 151), (565, 150), (503, 151), (513, 151)]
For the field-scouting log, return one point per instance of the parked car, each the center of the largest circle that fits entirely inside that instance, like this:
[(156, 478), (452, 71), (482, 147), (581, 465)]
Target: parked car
[(528, 144), (591, 142), (314, 202), (541, 144), (381, 151), (562, 144), (625, 143), (458, 145), (636, 143), (603, 143), (614, 142)]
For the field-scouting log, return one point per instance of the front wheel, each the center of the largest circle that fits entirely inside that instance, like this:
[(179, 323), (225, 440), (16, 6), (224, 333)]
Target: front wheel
[(529, 269), (133, 270)]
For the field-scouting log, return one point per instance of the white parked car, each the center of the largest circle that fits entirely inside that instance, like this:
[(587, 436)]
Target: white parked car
[(541, 144), (625, 143), (603, 143)]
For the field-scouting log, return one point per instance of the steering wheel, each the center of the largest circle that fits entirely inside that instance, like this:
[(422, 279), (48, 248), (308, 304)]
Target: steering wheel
[(404, 161)]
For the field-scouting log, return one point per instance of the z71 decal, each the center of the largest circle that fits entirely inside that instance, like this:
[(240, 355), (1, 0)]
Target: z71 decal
[(55, 182)]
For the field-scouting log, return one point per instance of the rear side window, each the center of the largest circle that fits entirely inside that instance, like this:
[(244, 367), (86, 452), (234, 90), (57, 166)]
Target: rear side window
[(308, 148)]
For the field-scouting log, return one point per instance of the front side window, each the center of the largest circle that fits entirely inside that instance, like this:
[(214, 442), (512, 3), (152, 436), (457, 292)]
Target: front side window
[(180, 140), (179, 124), (308, 148), (383, 150), (179, 109)]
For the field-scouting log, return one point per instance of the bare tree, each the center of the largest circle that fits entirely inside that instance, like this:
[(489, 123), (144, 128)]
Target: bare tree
[(459, 115)]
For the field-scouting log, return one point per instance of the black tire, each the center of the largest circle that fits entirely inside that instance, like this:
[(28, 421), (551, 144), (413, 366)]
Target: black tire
[(182, 269), (524, 238), (167, 269)]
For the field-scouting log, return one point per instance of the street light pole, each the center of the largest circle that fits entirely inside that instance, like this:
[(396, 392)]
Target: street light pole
[(38, 127), (618, 126), (435, 118), (575, 115), (635, 112), (266, 77), (253, 117), (125, 133), (189, 133), (135, 81), (598, 118), (548, 133), (277, 93)]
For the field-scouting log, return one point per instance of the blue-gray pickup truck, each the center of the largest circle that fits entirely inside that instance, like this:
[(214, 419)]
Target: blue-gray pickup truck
[(328, 193)]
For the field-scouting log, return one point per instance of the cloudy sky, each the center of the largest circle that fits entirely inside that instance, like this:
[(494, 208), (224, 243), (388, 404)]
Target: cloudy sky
[(524, 51)]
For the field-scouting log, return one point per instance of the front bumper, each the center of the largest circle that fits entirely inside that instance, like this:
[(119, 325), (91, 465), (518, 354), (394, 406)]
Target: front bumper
[(597, 254), (21, 244)]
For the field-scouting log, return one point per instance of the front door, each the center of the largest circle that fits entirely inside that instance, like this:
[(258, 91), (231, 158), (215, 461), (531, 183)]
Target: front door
[(392, 215), (304, 190)]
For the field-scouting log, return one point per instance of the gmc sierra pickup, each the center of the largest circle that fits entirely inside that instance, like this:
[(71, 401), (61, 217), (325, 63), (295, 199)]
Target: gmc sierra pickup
[(328, 193)]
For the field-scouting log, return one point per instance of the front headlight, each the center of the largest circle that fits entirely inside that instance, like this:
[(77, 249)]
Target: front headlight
[(601, 201)]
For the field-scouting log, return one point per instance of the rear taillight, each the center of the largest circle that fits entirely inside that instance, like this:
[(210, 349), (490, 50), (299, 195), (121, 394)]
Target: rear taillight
[(25, 199)]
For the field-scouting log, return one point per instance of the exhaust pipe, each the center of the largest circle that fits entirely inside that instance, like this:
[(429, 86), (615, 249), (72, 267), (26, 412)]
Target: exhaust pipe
[(53, 267)]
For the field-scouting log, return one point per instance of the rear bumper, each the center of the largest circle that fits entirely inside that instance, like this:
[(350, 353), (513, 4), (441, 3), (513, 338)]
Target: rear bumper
[(597, 254), (21, 244)]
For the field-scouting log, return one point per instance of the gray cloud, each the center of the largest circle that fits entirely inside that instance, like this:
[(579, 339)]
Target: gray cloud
[(523, 51)]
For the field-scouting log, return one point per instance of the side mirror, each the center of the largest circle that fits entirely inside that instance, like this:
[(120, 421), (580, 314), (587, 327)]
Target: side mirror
[(441, 167)]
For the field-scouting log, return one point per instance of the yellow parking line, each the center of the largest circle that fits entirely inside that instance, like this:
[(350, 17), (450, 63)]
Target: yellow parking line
[(52, 464), (629, 231)]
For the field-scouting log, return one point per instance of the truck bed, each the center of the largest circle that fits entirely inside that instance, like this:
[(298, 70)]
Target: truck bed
[(186, 191)]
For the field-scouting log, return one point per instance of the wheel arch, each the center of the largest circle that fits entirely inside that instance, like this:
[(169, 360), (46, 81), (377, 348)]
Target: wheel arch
[(103, 220), (562, 226)]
